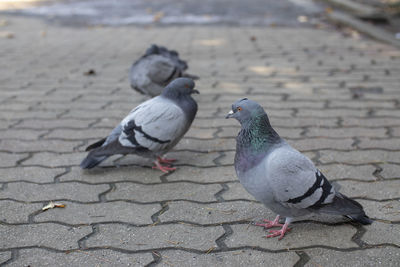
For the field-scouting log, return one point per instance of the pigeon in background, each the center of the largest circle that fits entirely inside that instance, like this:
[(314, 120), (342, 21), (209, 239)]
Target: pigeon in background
[(157, 68), (279, 176), (151, 129)]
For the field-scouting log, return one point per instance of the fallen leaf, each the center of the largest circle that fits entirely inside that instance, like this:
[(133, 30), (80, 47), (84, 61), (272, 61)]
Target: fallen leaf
[(53, 205), (158, 16), (90, 72), (3, 22), (253, 38), (8, 35)]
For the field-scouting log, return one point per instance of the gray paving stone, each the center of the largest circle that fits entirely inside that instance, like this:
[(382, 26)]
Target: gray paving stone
[(317, 143), (164, 192), (10, 160), (390, 144), (21, 134), (384, 256), (15, 212), (301, 235), (5, 256), (102, 257), (45, 235), (382, 233), (54, 160), (378, 190), (331, 113), (212, 213), (371, 122), (236, 191), (390, 171), (386, 210), (211, 145), (55, 123), (33, 192), (341, 171), (358, 157), (80, 134), (396, 131), (203, 175), (118, 211), (304, 122), (32, 174), (346, 132), (200, 133), (105, 175), (283, 132), (231, 258), (39, 145), (158, 236)]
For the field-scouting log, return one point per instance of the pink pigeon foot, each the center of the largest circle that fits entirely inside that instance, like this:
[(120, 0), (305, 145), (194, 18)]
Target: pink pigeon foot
[(165, 160), (162, 168), (280, 232), (270, 224)]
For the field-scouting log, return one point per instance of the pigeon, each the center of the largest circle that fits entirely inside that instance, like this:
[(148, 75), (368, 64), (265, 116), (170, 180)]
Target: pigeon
[(279, 176), (157, 68), (151, 129)]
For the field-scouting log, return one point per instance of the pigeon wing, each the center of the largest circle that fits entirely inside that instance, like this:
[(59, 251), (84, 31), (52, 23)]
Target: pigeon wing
[(295, 181), (156, 125)]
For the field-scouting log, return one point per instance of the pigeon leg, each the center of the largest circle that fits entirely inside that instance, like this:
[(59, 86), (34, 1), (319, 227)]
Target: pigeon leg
[(162, 168), (270, 224), (282, 231), (165, 160)]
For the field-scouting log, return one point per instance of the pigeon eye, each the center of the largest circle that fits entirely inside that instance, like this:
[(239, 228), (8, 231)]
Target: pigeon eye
[(239, 109)]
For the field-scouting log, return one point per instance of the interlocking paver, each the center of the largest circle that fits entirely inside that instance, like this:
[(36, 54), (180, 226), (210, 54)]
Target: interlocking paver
[(102, 257), (24, 191), (9, 208), (231, 258), (49, 235), (53, 159), (384, 256), (117, 211), (333, 97), (378, 190), (212, 213), (11, 160), (382, 233), (164, 192), (302, 233), (5, 256), (158, 236), (31, 174)]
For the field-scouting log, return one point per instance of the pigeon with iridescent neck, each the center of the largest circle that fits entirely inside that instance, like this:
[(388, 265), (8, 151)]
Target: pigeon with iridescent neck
[(151, 129), (279, 176)]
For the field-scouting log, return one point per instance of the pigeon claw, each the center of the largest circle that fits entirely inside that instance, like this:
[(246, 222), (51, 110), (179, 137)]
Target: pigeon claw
[(165, 160), (270, 224), (280, 233), (164, 169)]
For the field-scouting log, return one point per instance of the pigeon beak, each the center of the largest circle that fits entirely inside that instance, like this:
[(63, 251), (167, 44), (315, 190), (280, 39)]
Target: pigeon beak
[(230, 113), (195, 92)]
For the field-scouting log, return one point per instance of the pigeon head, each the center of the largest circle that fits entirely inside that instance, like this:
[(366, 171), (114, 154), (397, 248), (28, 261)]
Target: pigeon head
[(153, 49), (180, 87), (244, 110)]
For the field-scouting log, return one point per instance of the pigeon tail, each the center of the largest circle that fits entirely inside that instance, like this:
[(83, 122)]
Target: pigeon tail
[(342, 205), (360, 218), (96, 145), (92, 161)]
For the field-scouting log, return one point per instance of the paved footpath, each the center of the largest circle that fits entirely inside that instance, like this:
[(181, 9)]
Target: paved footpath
[(335, 98)]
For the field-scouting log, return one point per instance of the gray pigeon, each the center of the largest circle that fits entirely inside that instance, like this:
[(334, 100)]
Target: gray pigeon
[(152, 128), (279, 176), (157, 68)]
